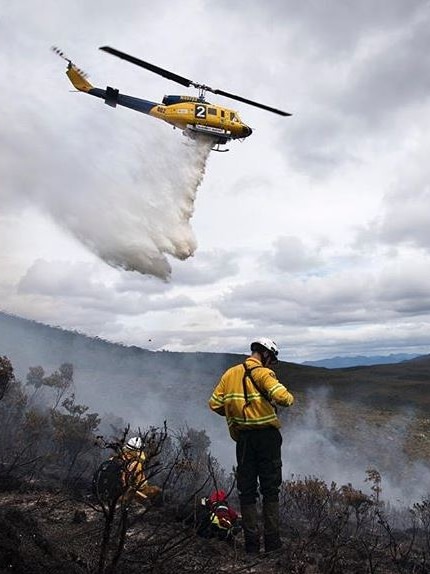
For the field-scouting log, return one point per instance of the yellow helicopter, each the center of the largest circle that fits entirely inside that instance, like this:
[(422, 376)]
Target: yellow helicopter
[(195, 116)]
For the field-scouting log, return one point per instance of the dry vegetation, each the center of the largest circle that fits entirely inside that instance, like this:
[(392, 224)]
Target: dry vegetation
[(50, 522)]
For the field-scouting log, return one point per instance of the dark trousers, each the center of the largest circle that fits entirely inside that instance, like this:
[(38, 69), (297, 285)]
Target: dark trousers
[(258, 454)]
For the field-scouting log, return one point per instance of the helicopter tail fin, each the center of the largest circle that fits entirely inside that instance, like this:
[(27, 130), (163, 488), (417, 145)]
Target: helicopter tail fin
[(78, 78)]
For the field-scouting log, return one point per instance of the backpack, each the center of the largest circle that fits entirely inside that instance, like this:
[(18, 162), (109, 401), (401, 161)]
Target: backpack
[(207, 528), (108, 483)]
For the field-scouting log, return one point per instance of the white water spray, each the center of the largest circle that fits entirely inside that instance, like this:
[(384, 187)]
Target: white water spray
[(137, 217), (120, 183)]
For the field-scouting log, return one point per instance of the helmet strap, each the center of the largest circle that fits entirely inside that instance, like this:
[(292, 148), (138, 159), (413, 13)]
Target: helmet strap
[(265, 355), (265, 358)]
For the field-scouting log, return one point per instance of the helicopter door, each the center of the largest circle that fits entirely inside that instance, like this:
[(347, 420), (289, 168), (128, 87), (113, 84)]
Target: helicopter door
[(200, 111)]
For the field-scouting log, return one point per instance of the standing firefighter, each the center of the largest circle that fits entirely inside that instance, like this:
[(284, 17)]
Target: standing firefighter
[(246, 395)]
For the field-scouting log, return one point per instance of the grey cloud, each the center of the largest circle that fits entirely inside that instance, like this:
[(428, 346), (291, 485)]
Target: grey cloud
[(318, 144), (247, 185), (392, 78), (331, 25), (407, 218), (406, 293), (342, 298), (68, 279), (291, 255), (78, 283), (206, 268), (404, 284), (63, 314), (135, 282), (138, 305), (404, 217), (362, 91), (340, 25)]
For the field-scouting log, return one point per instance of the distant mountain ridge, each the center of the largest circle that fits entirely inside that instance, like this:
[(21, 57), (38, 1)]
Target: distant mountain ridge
[(361, 360)]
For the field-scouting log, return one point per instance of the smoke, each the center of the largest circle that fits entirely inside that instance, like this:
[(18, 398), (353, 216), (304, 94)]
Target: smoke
[(341, 446), (330, 442), (322, 437)]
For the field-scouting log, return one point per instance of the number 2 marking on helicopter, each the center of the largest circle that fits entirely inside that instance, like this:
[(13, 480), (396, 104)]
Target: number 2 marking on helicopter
[(201, 112)]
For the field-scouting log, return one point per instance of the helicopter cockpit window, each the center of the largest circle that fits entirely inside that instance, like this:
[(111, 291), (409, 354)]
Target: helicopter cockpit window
[(212, 111)]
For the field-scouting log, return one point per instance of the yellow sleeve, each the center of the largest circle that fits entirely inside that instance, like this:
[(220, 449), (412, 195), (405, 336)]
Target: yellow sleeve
[(276, 391), (136, 476), (216, 402)]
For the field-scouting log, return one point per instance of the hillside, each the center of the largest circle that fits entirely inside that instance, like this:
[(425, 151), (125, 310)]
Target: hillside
[(343, 419), (108, 366)]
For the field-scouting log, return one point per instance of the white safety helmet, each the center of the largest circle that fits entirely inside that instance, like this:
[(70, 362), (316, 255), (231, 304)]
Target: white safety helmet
[(263, 344), (134, 443)]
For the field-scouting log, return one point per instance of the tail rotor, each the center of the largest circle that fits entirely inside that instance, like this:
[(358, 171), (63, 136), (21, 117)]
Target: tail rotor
[(63, 56)]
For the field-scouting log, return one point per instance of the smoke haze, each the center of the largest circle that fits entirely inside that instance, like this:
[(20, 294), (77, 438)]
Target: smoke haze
[(335, 440), (318, 442)]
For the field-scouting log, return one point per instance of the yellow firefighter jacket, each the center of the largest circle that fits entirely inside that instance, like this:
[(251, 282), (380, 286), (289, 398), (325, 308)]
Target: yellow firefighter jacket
[(133, 475), (245, 407), (134, 478)]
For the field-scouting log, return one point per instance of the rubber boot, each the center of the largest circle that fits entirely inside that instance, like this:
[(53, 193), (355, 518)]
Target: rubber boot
[(272, 540), (250, 528)]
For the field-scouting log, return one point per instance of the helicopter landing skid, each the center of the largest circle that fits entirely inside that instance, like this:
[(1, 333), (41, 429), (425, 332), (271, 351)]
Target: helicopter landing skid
[(217, 148)]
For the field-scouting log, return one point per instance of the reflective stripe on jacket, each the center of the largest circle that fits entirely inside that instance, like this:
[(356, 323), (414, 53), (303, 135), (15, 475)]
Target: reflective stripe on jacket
[(133, 475), (229, 399)]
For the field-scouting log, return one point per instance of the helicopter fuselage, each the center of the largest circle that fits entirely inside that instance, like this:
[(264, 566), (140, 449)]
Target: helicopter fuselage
[(194, 116)]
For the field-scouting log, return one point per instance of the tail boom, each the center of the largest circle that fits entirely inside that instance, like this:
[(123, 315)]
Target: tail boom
[(111, 96)]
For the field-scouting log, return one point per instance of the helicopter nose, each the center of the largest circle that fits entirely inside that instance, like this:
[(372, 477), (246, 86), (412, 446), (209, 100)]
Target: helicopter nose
[(247, 131)]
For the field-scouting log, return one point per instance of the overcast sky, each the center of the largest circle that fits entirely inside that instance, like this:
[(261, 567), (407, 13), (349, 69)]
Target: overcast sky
[(315, 231)]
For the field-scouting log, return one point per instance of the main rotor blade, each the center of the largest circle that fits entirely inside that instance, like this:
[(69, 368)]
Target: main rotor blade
[(250, 102), (165, 73), (185, 81)]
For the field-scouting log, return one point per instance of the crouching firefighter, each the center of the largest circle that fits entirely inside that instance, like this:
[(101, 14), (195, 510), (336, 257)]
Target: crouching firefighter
[(218, 518), (122, 477), (246, 395)]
